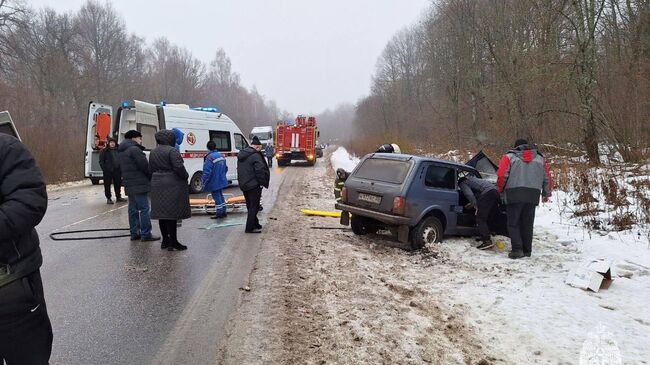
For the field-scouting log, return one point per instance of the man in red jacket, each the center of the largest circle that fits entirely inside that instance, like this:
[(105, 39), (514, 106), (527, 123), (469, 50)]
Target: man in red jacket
[(522, 176)]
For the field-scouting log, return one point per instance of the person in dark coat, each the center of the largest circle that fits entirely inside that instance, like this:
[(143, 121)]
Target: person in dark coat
[(110, 164), (482, 195), (522, 176), (214, 178), (253, 174), (268, 152), (137, 182), (25, 329), (170, 198)]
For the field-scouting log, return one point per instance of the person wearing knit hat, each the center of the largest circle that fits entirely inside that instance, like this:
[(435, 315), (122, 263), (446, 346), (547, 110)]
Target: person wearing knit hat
[(111, 173), (520, 142), (522, 176)]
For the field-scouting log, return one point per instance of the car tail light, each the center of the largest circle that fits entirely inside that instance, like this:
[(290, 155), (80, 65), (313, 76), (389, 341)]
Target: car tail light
[(399, 203), (344, 195)]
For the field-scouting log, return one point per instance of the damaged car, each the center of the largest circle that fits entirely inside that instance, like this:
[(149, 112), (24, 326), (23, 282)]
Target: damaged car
[(417, 198)]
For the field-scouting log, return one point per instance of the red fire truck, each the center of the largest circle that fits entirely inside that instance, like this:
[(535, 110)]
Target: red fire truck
[(296, 141)]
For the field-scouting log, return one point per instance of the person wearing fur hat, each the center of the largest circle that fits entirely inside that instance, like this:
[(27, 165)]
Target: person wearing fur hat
[(253, 174), (137, 182), (112, 175), (522, 177)]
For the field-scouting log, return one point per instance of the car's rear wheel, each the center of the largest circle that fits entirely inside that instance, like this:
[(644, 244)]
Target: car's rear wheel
[(196, 183), (94, 181), (362, 225), (428, 231)]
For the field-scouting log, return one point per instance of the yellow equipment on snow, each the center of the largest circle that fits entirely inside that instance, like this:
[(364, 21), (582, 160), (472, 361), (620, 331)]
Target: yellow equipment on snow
[(320, 213)]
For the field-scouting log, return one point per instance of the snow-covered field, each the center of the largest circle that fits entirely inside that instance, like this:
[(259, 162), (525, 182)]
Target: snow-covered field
[(524, 310)]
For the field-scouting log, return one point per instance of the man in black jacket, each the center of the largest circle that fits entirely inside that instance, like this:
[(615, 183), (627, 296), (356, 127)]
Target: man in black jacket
[(25, 330), (253, 174), (137, 182), (110, 164), (483, 197)]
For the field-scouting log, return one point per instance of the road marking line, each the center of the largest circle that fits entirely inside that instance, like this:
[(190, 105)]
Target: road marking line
[(90, 218)]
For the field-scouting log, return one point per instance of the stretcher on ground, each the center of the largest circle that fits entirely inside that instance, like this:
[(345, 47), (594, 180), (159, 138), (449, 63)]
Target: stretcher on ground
[(207, 206)]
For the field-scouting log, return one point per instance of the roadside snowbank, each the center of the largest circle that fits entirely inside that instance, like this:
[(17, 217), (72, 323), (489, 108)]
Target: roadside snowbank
[(342, 159), (66, 185)]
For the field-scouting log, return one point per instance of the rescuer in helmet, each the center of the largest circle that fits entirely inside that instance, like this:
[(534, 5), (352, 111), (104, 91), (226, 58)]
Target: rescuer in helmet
[(341, 176), (389, 148)]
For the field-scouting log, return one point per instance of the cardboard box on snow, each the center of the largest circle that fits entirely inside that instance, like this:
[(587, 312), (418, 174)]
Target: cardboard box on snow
[(594, 276)]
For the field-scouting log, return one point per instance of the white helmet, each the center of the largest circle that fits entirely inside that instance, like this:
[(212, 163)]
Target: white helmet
[(396, 148)]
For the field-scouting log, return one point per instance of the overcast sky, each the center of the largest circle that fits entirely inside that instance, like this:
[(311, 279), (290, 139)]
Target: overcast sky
[(308, 55)]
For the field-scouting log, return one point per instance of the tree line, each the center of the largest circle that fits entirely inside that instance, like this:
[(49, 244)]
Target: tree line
[(52, 64), (484, 72)]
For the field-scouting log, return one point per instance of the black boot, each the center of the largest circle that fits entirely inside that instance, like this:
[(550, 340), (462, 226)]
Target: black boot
[(165, 243), (515, 255), (176, 246), (486, 244)]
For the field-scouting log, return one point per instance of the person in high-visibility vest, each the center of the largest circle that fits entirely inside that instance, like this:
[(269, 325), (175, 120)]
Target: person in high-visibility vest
[(341, 176)]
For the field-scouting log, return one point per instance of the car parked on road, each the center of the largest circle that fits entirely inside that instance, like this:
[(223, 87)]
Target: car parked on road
[(417, 198)]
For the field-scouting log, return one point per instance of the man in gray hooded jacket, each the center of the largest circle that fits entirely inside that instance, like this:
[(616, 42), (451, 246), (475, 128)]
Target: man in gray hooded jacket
[(522, 176)]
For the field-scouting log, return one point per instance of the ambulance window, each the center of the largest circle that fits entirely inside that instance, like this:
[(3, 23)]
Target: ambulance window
[(240, 142), (221, 139), (148, 135)]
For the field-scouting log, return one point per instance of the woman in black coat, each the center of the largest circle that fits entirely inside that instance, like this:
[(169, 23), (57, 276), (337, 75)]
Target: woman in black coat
[(170, 200)]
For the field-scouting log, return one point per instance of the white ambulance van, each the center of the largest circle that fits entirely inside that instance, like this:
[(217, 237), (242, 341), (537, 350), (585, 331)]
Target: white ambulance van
[(199, 125), (264, 133)]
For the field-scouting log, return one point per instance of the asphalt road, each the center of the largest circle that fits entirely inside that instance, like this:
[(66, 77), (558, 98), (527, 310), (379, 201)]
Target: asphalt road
[(114, 301)]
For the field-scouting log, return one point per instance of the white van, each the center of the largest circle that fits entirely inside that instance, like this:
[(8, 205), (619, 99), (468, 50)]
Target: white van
[(264, 133), (199, 126)]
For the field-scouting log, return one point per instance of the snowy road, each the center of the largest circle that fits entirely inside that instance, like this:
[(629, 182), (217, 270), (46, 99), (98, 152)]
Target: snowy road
[(320, 294), (121, 302)]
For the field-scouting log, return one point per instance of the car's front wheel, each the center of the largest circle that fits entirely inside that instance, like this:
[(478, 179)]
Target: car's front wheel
[(429, 230)]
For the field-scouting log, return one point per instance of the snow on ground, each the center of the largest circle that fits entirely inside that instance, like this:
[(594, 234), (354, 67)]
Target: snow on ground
[(342, 159), (320, 294), (66, 185), (525, 309)]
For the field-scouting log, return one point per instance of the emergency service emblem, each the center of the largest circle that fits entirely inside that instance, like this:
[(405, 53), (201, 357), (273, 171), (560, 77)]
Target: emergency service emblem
[(191, 139)]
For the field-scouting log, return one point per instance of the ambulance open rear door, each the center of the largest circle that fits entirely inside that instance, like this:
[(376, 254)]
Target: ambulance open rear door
[(143, 117), (99, 126)]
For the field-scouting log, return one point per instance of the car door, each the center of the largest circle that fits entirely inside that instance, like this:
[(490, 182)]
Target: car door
[(440, 191), (98, 129)]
